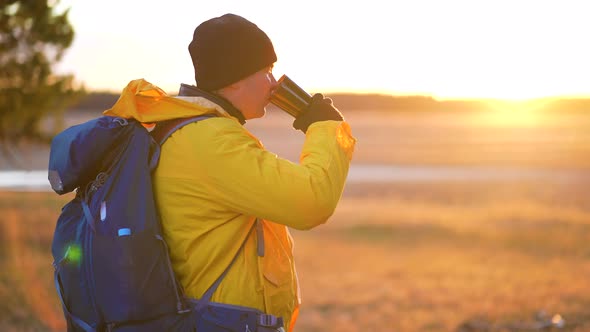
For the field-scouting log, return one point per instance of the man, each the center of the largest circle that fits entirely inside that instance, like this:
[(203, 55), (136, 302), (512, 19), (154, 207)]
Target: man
[(218, 188)]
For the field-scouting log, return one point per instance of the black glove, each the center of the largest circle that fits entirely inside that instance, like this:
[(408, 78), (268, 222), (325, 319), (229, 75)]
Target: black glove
[(320, 109)]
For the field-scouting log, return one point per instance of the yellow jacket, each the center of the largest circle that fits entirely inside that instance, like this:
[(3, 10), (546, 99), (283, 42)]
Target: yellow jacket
[(215, 178)]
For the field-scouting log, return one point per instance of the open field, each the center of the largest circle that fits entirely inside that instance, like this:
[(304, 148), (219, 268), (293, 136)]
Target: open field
[(502, 139), (399, 256), (429, 257), (550, 140)]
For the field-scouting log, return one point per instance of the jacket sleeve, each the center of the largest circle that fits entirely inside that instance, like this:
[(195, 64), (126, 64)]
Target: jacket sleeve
[(253, 181)]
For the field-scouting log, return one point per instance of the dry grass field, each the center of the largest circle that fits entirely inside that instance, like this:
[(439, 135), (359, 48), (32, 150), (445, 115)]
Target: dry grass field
[(471, 255)]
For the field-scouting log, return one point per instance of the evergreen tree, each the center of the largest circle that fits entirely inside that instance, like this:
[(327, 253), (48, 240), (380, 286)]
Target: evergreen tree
[(33, 37)]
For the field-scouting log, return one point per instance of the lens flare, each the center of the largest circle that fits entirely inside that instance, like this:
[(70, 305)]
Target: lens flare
[(73, 253)]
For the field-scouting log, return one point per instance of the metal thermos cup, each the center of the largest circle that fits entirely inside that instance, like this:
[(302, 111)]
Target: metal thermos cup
[(289, 97)]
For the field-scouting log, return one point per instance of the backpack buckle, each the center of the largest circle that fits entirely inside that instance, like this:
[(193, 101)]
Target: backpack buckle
[(267, 320), (99, 181), (121, 121)]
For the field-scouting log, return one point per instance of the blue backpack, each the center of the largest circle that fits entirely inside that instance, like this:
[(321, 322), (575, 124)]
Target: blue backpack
[(112, 267)]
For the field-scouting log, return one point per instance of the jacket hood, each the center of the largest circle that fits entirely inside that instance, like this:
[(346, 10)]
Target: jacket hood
[(146, 103)]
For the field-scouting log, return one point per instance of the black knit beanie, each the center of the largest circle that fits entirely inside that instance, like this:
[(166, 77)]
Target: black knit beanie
[(227, 49)]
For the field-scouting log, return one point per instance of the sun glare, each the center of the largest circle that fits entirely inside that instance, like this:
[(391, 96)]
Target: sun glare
[(514, 113), (454, 50)]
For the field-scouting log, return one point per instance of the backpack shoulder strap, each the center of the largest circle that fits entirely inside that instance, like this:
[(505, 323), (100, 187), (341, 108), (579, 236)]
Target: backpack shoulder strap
[(204, 300), (162, 131), (166, 128)]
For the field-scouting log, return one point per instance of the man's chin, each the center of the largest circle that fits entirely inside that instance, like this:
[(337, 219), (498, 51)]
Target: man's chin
[(262, 113), (258, 115)]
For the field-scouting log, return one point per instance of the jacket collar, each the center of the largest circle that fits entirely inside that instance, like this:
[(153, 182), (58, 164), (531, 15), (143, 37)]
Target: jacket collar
[(192, 91)]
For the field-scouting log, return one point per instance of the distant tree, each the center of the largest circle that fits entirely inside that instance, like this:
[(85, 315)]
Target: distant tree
[(33, 38)]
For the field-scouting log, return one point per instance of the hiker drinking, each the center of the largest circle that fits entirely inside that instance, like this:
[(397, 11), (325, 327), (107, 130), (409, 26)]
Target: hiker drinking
[(199, 193)]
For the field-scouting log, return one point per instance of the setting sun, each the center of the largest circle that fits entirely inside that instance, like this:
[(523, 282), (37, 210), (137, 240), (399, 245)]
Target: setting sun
[(513, 113)]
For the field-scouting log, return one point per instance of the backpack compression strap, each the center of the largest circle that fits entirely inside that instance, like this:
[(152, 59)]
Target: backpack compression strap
[(69, 316)]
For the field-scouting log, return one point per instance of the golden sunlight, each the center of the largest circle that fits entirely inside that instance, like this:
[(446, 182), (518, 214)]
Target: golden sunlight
[(515, 113), (454, 50)]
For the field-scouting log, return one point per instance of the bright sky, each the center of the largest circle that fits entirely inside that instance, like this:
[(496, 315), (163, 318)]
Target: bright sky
[(512, 49)]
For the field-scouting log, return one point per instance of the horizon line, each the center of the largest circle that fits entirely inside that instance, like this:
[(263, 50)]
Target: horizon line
[(408, 95)]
